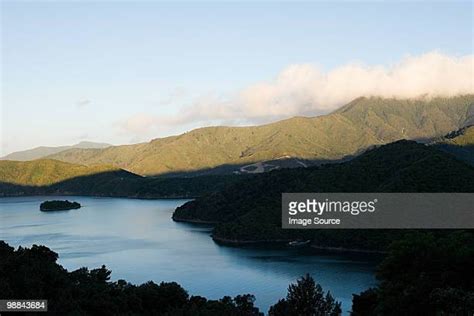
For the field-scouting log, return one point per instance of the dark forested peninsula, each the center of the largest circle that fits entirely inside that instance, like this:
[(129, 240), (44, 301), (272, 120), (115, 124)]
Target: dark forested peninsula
[(250, 210)]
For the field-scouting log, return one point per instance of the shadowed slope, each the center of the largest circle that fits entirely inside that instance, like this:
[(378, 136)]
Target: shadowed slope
[(52, 177)]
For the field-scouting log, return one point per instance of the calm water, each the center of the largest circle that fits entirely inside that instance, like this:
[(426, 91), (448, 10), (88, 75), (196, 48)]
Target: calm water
[(138, 241)]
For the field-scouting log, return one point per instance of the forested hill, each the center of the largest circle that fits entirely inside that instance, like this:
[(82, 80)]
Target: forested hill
[(52, 177), (43, 172), (251, 210), (348, 131)]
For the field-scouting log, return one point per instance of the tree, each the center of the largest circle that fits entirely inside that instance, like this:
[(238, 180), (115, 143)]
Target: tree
[(423, 274), (306, 298), (244, 303), (281, 308), (364, 304), (34, 272)]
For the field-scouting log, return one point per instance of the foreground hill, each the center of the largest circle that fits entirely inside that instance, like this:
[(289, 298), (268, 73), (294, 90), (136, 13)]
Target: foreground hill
[(251, 211), (52, 177), (349, 131), (43, 151), (459, 143)]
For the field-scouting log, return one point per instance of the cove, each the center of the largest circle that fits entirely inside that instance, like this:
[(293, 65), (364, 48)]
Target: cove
[(138, 241)]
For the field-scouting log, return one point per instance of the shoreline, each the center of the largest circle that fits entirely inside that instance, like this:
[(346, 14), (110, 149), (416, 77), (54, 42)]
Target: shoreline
[(355, 250), (104, 196), (237, 243), (240, 243), (192, 221)]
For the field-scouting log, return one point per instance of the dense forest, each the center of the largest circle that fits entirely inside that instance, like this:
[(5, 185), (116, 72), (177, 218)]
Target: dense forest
[(250, 210), (423, 274)]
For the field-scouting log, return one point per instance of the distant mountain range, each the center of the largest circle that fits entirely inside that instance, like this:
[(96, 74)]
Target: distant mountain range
[(43, 151), (297, 142), (347, 132)]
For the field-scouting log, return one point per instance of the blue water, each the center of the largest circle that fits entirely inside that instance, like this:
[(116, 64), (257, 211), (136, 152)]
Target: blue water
[(138, 241)]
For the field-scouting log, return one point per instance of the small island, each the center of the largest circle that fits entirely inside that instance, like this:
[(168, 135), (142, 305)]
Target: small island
[(58, 205)]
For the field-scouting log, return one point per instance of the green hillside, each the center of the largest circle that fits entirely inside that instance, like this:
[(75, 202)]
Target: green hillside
[(43, 172), (250, 210), (43, 151), (52, 177), (348, 131)]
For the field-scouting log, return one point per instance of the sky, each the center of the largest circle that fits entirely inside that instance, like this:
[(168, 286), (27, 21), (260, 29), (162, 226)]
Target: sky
[(126, 72)]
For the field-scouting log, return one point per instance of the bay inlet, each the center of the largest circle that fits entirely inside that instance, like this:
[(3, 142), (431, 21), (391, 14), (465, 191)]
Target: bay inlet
[(138, 241)]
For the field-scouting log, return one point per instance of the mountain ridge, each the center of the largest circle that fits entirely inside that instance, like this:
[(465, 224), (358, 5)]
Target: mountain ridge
[(346, 132), (43, 151)]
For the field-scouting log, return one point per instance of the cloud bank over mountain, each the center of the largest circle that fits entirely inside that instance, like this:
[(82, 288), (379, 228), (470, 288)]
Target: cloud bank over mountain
[(306, 89), (301, 89)]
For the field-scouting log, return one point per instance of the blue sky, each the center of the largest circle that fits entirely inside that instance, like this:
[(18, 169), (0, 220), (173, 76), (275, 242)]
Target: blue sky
[(101, 70)]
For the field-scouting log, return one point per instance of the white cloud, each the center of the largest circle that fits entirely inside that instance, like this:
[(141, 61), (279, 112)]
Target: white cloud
[(138, 123), (83, 102), (305, 89), (175, 95)]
